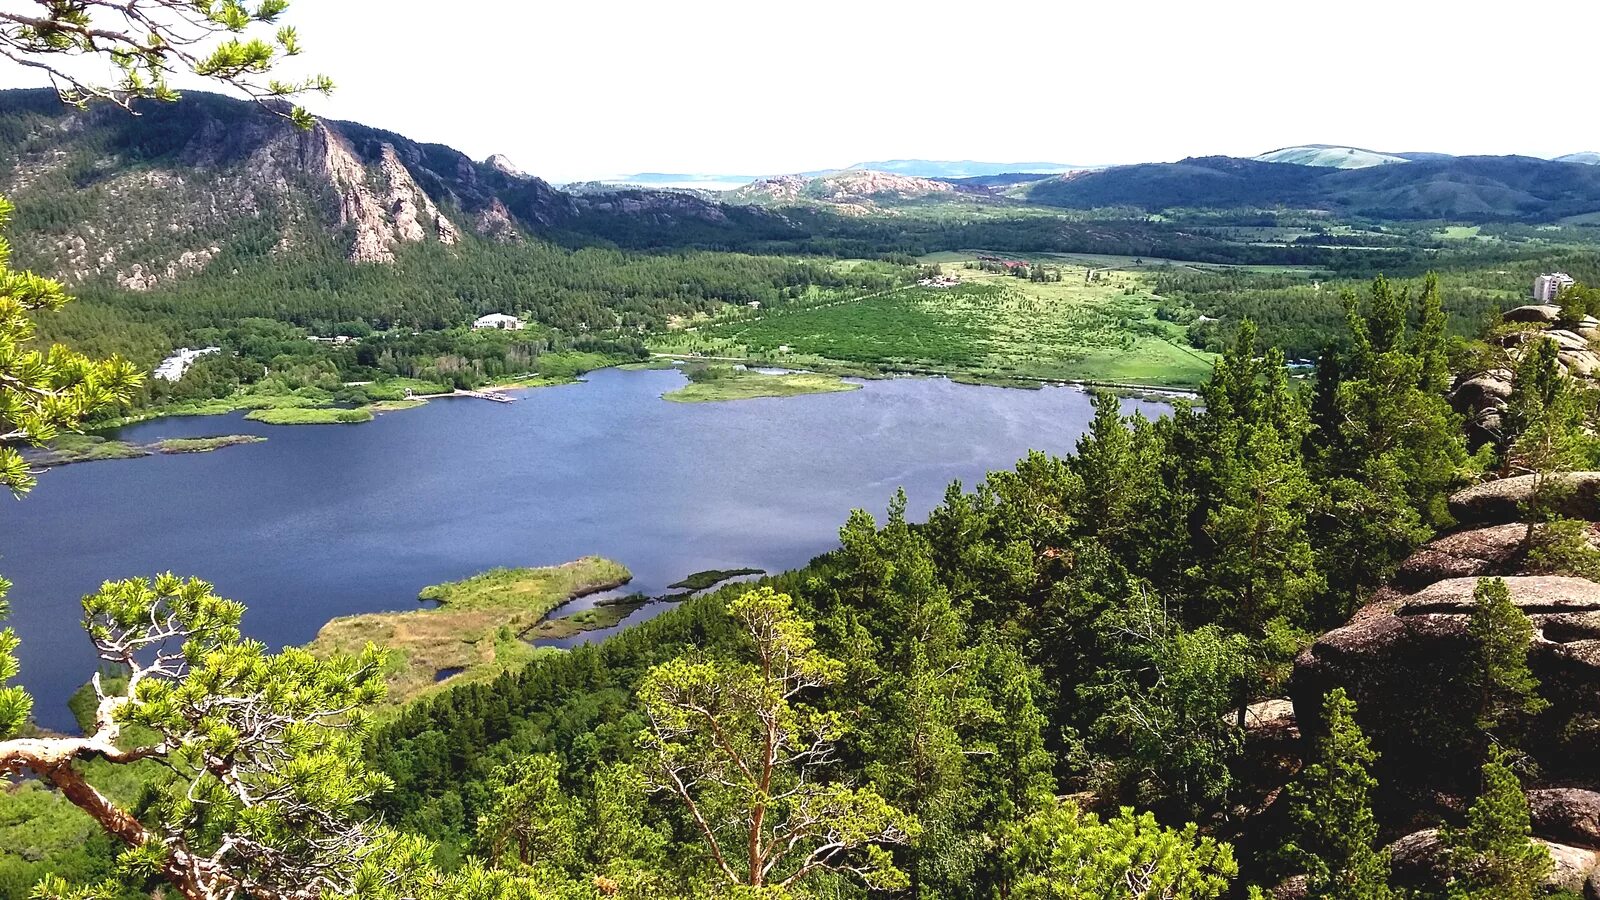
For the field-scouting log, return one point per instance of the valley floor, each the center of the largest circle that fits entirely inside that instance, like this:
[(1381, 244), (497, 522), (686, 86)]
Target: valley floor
[(1093, 325)]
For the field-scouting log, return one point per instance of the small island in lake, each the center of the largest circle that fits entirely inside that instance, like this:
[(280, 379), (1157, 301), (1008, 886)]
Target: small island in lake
[(699, 581), (79, 448), (477, 631), (709, 384)]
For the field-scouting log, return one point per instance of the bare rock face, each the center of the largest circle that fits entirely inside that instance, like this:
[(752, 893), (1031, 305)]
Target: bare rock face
[(1488, 390), (1417, 860), (1495, 550), (1540, 313), (1406, 663), (1574, 869), (1569, 815), (1495, 502)]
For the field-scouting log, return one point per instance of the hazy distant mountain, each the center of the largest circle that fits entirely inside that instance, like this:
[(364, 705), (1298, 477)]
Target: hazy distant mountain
[(1481, 188), (696, 181), (857, 188), (1330, 156), (965, 168), (1588, 158)]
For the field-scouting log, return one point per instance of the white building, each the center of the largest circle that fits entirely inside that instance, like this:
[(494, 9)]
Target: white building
[(498, 320), (173, 367), (1546, 288)]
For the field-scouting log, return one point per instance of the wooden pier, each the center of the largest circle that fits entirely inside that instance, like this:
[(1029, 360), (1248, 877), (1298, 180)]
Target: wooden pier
[(496, 396)]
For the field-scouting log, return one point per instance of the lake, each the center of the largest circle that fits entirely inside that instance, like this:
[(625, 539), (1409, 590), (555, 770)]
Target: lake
[(328, 520)]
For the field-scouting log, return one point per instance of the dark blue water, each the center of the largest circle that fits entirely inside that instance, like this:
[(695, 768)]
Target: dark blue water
[(329, 520)]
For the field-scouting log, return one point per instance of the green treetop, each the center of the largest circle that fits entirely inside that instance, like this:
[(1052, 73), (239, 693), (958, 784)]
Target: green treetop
[(1493, 857), (731, 740), (1064, 853), (1335, 833), (1505, 687)]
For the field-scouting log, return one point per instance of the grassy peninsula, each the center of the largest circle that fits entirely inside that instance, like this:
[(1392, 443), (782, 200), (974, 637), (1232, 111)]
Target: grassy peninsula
[(711, 384), (315, 415), (476, 632)]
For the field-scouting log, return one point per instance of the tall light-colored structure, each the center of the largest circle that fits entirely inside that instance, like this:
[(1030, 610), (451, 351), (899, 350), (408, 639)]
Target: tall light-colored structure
[(1546, 288)]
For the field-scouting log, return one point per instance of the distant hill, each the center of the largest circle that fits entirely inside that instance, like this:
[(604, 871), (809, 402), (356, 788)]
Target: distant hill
[(144, 201), (856, 189), (1481, 188), (966, 168), (1588, 158), (1330, 156), (704, 182)]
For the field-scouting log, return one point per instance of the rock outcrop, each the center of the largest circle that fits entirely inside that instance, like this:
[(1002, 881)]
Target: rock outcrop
[(1405, 660), (1576, 494)]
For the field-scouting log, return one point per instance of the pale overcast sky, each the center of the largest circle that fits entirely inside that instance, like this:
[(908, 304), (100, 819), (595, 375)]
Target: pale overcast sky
[(589, 88)]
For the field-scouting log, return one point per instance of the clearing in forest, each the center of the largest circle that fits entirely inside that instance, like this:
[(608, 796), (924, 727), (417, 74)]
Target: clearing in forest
[(1099, 327)]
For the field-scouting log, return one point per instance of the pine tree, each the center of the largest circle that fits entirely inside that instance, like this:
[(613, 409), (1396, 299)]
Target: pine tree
[(1335, 831), (1505, 687), (1493, 857)]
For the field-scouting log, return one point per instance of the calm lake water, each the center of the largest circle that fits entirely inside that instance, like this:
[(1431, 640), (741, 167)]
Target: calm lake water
[(324, 521)]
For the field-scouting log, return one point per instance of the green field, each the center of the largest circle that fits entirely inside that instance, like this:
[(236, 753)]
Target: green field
[(991, 326)]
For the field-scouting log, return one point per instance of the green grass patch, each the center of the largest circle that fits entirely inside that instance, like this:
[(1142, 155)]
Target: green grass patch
[(742, 384), (602, 615), (478, 630), (384, 406), (76, 448), (699, 581), (655, 363), (205, 444), (323, 415), (569, 364)]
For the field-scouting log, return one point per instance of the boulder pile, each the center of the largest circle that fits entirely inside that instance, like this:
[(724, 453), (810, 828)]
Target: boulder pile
[(1404, 659)]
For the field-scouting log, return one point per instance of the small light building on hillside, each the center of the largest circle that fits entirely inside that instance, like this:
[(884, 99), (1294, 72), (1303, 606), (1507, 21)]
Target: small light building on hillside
[(1548, 288), (498, 320)]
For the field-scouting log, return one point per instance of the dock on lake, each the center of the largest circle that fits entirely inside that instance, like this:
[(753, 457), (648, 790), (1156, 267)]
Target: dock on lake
[(496, 396)]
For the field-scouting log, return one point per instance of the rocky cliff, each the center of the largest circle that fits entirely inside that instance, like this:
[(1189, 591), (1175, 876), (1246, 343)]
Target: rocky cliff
[(1403, 658), (142, 201)]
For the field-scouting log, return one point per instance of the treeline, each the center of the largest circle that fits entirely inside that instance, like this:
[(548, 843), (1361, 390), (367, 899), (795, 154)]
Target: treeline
[(1092, 624), (1303, 314)]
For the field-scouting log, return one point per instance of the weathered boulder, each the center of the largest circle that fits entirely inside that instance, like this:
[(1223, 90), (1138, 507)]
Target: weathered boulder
[(1535, 312), (1495, 550), (1487, 390), (1583, 363), (1501, 501), (1574, 865), (1568, 340), (1418, 861), (1533, 594), (1568, 815), (1407, 663)]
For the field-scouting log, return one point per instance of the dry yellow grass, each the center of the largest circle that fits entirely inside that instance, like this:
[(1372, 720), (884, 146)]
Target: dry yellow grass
[(477, 629)]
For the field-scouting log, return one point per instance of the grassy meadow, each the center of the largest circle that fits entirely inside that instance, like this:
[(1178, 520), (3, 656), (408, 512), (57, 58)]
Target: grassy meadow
[(991, 326)]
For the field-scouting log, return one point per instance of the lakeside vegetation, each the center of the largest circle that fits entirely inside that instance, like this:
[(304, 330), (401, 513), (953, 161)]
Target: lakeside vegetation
[(718, 383), (477, 631), (205, 444), (312, 415), (78, 448)]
